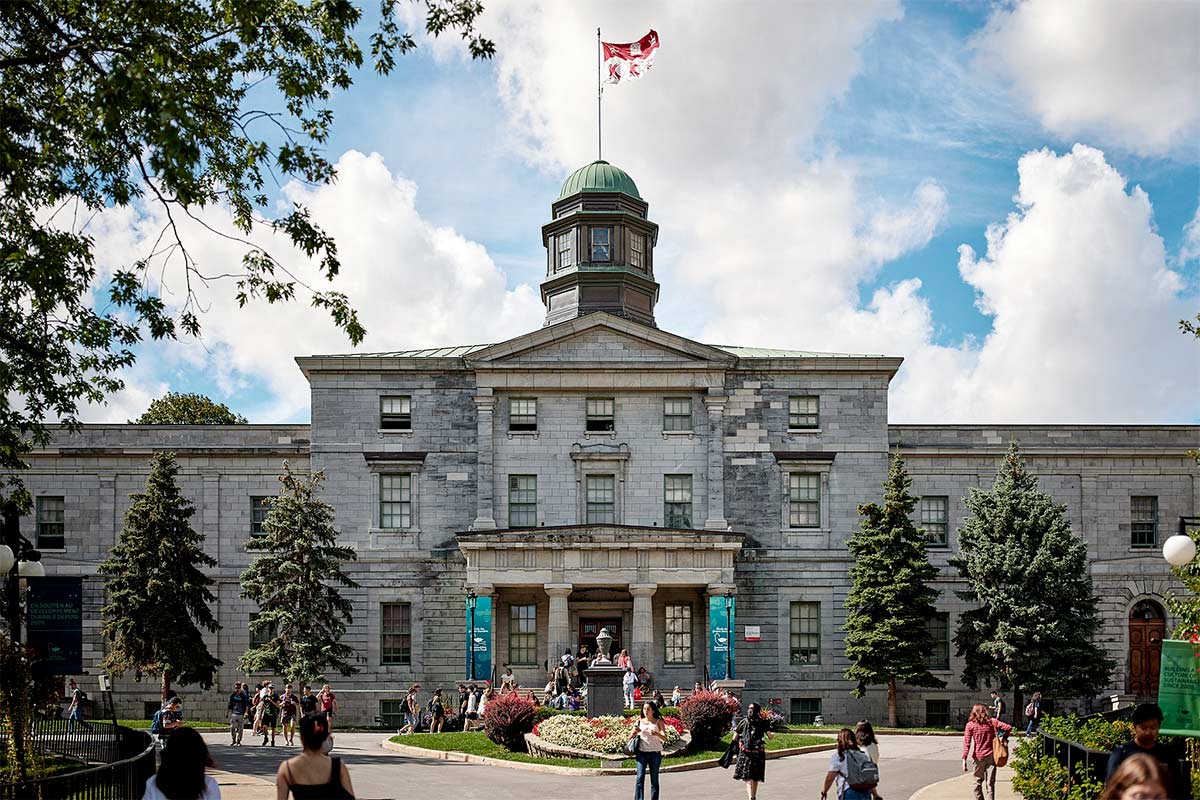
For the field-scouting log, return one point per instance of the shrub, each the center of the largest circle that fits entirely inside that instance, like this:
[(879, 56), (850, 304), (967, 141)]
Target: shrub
[(1040, 777), (506, 720), (709, 716)]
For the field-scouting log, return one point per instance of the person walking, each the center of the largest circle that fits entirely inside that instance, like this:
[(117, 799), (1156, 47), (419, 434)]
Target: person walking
[(164, 722), (289, 709), (1033, 714), (327, 703), (998, 705), (865, 735), (75, 710), (851, 769), (471, 716), (181, 774), (651, 733), (239, 704), (257, 701), (308, 701), (977, 737), (750, 735), (437, 712), (628, 683), (412, 711), (581, 665), (1147, 719), (313, 775), (270, 715)]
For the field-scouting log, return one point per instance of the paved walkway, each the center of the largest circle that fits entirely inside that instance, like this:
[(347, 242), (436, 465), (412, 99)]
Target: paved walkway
[(907, 763), (963, 787)]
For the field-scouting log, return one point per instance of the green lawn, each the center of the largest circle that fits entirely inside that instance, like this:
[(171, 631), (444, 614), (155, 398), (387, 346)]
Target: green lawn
[(144, 724), (478, 744), (50, 765)]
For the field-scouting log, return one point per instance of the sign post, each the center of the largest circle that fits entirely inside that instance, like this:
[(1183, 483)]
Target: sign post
[(54, 625), (1179, 688)]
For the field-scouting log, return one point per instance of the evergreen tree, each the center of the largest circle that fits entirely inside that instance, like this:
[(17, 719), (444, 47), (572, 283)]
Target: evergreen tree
[(890, 602), (295, 582), (158, 597), (1036, 615)]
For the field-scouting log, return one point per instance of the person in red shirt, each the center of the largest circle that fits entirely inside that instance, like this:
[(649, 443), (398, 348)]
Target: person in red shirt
[(977, 737)]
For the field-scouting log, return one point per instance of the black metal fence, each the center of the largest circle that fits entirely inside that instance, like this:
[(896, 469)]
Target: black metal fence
[(1072, 754), (125, 756)]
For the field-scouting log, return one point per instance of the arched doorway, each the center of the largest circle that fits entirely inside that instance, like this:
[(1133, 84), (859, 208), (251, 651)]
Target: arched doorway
[(1147, 628)]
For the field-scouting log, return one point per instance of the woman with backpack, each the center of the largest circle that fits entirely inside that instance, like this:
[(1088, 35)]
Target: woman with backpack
[(980, 731), (750, 736), (1033, 713), (854, 772)]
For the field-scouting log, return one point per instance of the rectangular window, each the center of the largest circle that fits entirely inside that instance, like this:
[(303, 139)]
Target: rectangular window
[(803, 413), (677, 414), (263, 635), (260, 507), (50, 534), (804, 500), (522, 501), (935, 520), (522, 413), (937, 713), (677, 501), (679, 634), (522, 635), (601, 499), (395, 413), (395, 633), (601, 244), (806, 633), (1143, 521), (600, 417), (637, 248), (566, 249), (939, 630), (391, 713), (395, 501), (805, 710)]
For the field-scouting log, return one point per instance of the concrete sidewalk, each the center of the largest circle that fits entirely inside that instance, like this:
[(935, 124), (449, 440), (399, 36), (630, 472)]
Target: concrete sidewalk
[(963, 788), (242, 787)]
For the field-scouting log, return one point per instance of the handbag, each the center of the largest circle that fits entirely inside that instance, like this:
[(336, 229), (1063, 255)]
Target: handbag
[(999, 751), (634, 745), (728, 757)]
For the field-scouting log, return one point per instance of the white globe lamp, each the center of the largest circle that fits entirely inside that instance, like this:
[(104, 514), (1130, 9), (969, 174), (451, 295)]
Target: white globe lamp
[(31, 569), (7, 559), (1179, 549)]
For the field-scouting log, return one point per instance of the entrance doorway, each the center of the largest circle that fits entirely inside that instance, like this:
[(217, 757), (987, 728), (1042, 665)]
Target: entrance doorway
[(589, 628), (1147, 627)]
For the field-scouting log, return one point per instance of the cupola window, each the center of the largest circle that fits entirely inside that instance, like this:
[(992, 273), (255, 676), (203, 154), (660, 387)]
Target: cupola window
[(601, 244), (637, 247), (565, 243)]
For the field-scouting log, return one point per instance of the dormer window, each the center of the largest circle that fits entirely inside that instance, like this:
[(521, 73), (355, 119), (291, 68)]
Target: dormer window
[(601, 244), (637, 249), (565, 244)]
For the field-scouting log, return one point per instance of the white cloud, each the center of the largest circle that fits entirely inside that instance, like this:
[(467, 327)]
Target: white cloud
[(1126, 73), (1189, 249)]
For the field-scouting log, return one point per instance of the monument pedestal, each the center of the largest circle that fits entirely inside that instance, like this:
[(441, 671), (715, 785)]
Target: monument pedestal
[(605, 694)]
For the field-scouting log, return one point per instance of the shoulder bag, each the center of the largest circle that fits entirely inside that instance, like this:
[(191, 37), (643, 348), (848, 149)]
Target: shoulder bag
[(999, 748)]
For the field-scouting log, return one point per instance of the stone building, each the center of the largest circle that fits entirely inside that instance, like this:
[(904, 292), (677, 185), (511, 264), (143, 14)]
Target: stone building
[(602, 471)]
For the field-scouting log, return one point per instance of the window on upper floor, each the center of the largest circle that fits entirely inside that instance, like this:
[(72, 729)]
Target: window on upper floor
[(939, 631), (677, 414), (601, 244), (1143, 521), (934, 511), (677, 501), (637, 250), (679, 634), (395, 500), (804, 500), (564, 250), (522, 501), (395, 633), (600, 415), (522, 414), (522, 635), (262, 635), (805, 624), (50, 526), (395, 413), (260, 507), (804, 413), (601, 499)]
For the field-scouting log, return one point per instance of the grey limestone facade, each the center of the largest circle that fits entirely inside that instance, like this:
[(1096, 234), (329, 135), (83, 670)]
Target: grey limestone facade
[(603, 470)]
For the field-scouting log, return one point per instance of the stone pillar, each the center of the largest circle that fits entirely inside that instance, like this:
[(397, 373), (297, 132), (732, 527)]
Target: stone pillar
[(642, 639), (560, 620), (715, 479), (485, 517)]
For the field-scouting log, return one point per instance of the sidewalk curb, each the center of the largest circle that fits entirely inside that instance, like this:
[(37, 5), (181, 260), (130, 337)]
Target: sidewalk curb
[(550, 769), (932, 789)]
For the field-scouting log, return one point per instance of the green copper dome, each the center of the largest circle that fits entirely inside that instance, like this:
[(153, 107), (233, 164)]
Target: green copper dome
[(599, 176)]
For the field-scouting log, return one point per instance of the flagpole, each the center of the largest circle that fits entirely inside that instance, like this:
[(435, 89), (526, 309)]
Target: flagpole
[(599, 94)]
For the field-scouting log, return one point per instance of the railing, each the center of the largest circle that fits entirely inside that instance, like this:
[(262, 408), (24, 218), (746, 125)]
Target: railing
[(1072, 754), (129, 755)]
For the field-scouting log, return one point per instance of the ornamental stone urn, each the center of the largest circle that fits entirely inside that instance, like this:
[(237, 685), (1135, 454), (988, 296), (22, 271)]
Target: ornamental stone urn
[(603, 647), (604, 695)]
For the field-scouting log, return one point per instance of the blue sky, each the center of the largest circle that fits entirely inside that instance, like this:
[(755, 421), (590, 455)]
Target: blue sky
[(862, 145)]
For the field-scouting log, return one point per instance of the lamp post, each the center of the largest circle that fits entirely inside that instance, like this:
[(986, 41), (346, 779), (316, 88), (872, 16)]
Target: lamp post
[(472, 598), (18, 559), (1181, 548), (729, 632)]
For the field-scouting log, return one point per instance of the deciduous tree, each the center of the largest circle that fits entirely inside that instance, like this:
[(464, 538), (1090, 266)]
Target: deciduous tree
[(175, 408)]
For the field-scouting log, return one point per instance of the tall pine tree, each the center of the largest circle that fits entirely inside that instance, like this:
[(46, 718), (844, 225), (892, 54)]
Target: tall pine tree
[(891, 602), (295, 583), (157, 595), (1036, 616)]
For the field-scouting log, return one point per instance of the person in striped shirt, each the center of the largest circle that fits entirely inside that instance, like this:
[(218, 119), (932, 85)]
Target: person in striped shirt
[(977, 743)]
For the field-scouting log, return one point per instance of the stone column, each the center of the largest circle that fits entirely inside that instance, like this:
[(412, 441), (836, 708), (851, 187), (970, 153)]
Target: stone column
[(485, 517), (642, 639), (560, 620), (715, 479)]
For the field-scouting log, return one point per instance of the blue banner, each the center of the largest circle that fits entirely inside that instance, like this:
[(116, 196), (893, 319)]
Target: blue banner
[(479, 639), (54, 625), (721, 625)]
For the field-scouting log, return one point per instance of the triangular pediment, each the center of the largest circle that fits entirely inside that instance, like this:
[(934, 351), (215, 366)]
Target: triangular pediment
[(598, 337)]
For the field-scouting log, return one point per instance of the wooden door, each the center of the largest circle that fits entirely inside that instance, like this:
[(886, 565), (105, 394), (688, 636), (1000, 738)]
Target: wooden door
[(589, 628), (1145, 653)]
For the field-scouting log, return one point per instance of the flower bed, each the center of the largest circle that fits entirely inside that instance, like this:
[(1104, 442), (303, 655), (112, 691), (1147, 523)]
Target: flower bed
[(600, 737)]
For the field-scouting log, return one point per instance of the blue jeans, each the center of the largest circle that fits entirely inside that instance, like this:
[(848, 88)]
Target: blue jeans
[(856, 794), (651, 762)]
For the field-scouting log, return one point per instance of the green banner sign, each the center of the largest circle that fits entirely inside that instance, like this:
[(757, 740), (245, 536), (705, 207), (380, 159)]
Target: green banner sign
[(54, 625), (1179, 688), (721, 624), (479, 639)]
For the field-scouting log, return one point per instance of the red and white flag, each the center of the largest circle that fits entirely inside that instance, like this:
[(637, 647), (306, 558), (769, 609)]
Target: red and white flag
[(627, 62)]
